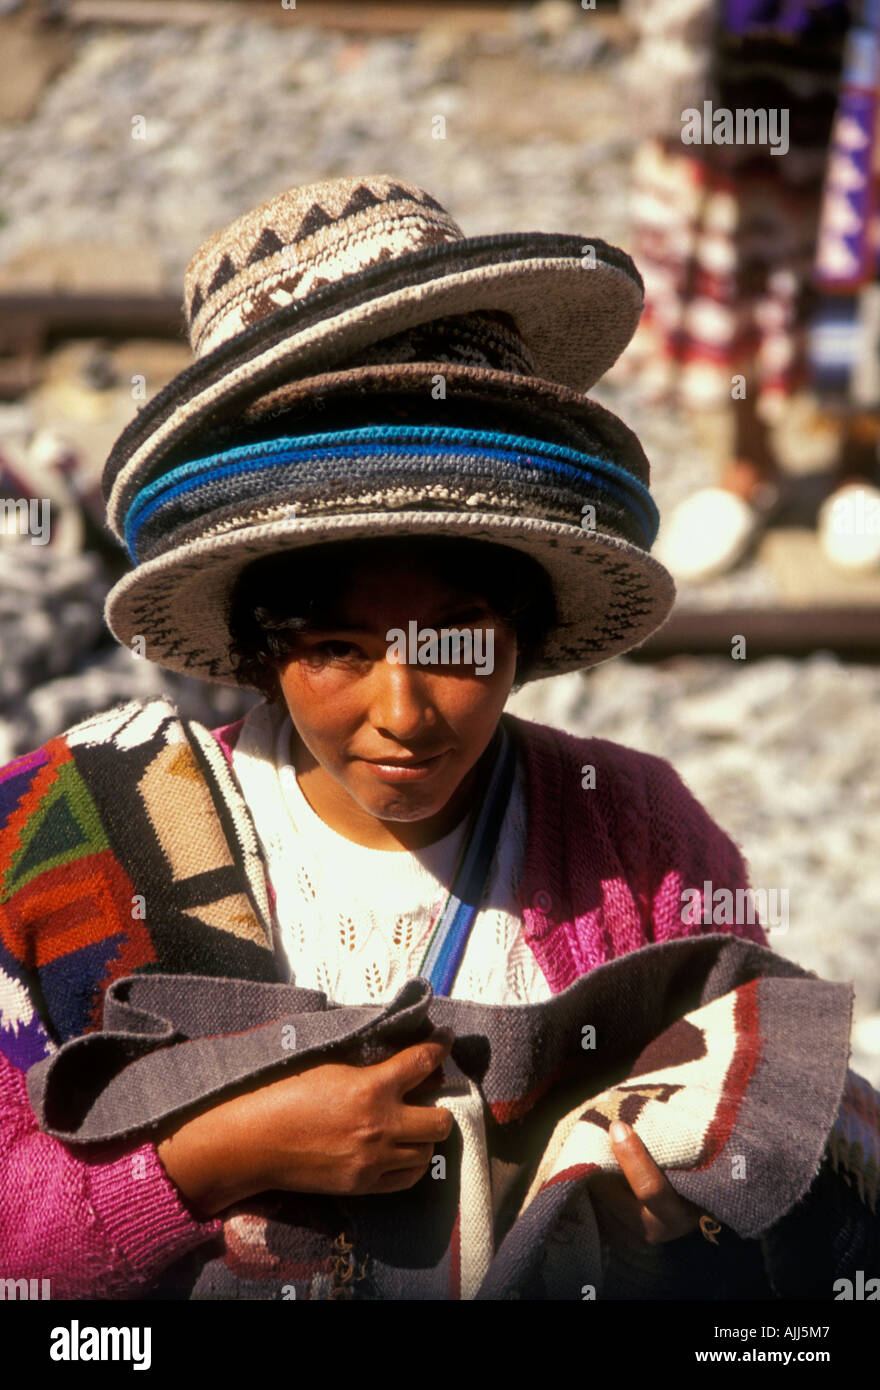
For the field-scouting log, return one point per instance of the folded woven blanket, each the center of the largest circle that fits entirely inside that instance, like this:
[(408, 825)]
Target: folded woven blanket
[(728, 1060)]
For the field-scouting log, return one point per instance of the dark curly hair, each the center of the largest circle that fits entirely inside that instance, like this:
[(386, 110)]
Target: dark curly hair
[(283, 594)]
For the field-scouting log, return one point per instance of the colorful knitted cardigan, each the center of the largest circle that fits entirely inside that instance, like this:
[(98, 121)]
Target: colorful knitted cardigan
[(128, 860)]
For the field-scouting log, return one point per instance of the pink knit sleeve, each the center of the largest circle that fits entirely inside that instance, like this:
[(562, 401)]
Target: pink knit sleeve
[(698, 881), (95, 1228)]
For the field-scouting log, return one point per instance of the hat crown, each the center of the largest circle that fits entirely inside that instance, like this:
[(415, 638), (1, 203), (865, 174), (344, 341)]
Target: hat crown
[(299, 241)]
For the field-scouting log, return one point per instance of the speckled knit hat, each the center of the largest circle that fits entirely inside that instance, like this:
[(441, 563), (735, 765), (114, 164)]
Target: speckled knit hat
[(365, 290), (318, 274)]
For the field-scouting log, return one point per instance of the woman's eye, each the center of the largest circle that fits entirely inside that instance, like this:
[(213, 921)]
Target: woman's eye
[(338, 649)]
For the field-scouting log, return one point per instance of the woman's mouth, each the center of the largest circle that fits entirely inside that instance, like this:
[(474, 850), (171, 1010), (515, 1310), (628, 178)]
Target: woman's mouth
[(405, 769)]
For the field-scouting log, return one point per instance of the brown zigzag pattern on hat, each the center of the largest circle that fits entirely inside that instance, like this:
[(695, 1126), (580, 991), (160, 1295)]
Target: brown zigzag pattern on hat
[(319, 219), (256, 296)]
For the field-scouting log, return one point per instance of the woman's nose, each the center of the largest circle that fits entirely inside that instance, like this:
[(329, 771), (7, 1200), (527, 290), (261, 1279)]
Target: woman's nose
[(401, 704)]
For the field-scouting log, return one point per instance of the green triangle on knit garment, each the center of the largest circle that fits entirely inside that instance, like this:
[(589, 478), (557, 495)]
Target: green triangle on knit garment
[(64, 827)]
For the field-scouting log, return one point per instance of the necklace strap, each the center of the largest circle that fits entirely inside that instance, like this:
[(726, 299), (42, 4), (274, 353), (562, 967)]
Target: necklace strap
[(449, 938)]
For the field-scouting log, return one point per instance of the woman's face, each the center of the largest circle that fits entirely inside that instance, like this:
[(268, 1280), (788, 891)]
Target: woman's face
[(355, 701)]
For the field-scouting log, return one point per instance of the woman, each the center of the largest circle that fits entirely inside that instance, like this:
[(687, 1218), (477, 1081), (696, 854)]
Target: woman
[(380, 498)]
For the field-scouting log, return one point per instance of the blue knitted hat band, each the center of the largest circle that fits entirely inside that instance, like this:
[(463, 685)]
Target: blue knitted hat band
[(362, 469)]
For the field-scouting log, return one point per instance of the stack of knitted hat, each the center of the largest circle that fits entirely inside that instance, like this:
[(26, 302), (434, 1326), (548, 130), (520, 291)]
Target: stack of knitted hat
[(363, 370)]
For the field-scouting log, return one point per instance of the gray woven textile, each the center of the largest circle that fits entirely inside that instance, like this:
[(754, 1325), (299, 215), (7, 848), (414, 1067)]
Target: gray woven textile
[(719, 1052)]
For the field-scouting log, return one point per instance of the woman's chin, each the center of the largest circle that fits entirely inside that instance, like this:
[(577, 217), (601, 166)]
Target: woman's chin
[(404, 807), (403, 802)]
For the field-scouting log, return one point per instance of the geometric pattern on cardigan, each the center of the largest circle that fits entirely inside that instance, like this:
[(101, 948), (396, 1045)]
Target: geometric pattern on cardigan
[(58, 869), (97, 882)]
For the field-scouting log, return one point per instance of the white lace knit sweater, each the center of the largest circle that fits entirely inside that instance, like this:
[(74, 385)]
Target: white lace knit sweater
[(354, 922)]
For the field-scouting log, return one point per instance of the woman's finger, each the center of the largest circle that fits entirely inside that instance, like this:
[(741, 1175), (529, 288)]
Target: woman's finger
[(648, 1183), (398, 1179)]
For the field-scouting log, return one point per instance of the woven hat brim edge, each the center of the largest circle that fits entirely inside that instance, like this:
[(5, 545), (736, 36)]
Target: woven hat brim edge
[(186, 590)]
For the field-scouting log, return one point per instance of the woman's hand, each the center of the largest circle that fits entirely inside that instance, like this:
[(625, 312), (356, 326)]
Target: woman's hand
[(329, 1128), (640, 1197)]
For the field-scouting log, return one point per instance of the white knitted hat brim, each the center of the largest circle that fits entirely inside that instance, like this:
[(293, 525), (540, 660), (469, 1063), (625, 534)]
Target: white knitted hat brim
[(178, 603)]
